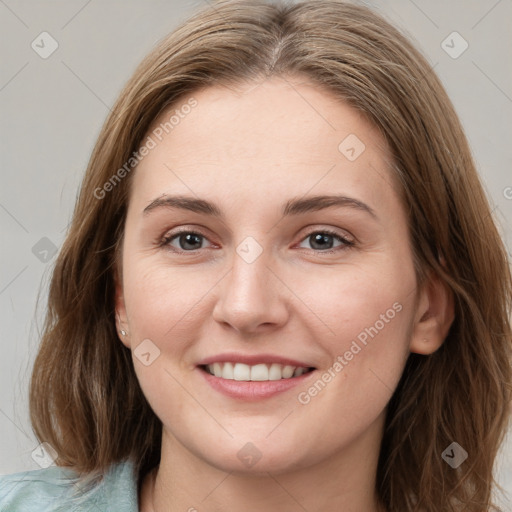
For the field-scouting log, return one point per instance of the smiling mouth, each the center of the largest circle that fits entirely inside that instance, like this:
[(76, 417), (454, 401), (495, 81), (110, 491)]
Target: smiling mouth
[(257, 372)]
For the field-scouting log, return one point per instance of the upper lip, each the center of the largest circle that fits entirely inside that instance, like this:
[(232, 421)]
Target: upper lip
[(251, 360)]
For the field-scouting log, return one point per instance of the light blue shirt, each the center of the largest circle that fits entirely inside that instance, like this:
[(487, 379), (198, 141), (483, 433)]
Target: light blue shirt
[(55, 489)]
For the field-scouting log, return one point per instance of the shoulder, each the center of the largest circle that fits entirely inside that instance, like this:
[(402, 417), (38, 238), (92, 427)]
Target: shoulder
[(58, 489)]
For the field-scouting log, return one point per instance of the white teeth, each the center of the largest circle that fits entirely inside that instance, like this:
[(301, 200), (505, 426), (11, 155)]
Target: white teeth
[(241, 371), (217, 369), (288, 371), (257, 372), (227, 371), (275, 372)]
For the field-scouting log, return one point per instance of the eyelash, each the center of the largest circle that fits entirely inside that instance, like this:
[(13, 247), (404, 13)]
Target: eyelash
[(347, 244)]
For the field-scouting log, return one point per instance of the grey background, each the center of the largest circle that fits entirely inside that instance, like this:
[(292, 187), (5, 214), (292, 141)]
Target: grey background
[(52, 110)]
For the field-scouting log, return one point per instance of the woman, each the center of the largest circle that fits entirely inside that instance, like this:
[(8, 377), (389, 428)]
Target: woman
[(282, 288)]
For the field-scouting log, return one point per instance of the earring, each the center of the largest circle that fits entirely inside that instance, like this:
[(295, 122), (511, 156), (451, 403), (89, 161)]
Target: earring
[(119, 321)]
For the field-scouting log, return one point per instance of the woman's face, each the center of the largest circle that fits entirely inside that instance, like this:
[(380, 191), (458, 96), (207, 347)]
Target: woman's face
[(264, 234)]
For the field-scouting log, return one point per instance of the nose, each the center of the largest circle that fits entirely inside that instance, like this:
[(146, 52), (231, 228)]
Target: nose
[(251, 299)]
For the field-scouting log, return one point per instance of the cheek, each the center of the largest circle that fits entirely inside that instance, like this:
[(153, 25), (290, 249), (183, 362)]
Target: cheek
[(358, 301), (162, 304), (363, 321), (369, 310), (161, 299)]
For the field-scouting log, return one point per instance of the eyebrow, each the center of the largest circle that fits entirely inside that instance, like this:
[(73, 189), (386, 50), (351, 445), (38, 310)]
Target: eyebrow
[(294, 206)]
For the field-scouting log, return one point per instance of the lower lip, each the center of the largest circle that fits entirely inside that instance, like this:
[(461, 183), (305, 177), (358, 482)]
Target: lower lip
[(253, 390)]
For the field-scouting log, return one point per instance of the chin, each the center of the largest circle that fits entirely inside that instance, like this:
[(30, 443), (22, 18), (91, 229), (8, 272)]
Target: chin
[(257, 457)]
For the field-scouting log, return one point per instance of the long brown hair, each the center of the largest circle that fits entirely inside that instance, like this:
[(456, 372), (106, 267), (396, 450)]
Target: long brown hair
[(85, 399)]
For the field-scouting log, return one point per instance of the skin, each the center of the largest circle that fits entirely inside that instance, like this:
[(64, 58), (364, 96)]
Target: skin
[(249, 150)]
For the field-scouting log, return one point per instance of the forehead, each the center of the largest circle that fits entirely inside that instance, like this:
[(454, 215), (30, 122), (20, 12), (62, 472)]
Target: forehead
[(274, 134)]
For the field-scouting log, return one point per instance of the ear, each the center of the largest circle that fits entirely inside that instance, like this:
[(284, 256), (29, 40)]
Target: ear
[(434, 316), (120, 309)]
